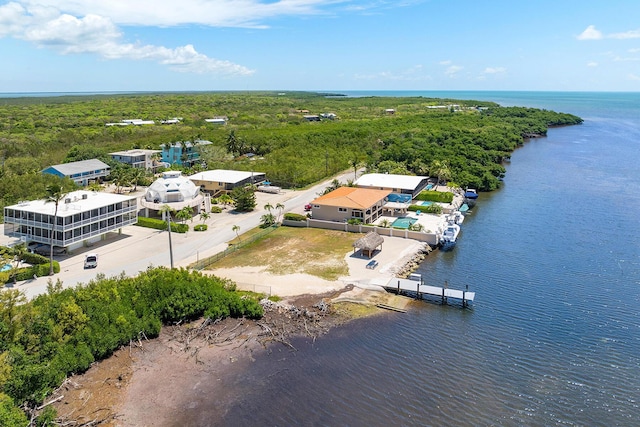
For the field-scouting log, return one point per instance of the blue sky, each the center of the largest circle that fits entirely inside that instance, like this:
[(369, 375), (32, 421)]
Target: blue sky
[(160, 45)]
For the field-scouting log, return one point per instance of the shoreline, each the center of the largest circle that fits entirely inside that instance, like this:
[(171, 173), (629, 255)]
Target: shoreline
[(173, 376)]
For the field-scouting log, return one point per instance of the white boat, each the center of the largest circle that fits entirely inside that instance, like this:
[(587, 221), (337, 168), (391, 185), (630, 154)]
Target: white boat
[(455, 218), (449, 237)]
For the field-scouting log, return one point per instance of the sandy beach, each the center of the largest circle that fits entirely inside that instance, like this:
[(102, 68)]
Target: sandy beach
[(169, 380)]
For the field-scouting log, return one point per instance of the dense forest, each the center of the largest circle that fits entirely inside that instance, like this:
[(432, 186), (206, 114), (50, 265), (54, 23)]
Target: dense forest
[(460, 141)]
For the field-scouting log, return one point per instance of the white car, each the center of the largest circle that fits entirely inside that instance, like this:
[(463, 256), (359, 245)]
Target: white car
[(91, 261)]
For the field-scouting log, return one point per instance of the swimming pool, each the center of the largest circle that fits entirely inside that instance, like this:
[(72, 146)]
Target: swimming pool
[(399, 198), (403, 222), (423, 203), (5, 267)]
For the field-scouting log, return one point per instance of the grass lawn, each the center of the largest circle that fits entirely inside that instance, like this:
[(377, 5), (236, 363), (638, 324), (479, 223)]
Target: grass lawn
[(296, 250)]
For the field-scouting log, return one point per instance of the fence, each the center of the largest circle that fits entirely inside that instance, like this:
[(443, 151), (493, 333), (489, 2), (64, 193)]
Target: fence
[(205, 262), (429, 238)]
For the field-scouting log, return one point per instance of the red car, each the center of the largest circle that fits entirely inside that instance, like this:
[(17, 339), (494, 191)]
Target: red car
[(307, 207)]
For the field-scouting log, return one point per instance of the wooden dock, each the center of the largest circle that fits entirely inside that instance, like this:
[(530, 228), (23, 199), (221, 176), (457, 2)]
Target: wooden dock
[(415, 287)]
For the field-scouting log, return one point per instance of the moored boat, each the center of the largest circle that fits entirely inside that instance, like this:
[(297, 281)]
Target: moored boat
[(449, 237)]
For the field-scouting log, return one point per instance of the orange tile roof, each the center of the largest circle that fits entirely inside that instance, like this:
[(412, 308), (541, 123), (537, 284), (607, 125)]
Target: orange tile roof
[(352, 197)]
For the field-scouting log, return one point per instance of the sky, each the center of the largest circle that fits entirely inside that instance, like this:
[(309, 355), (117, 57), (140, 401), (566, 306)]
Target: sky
[(319, 45)]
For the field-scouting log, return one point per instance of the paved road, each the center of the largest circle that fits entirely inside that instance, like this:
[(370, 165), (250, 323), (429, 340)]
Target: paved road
[(137, 248)]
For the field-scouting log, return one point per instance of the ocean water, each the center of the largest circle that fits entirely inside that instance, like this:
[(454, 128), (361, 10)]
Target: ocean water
[(554, 335)]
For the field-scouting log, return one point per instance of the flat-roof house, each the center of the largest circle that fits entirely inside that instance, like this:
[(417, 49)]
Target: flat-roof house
[(403, 184), (346, 203), (83, 217), (137, 158), (80, 172), (218, 120), (223, 181), (182, 152)]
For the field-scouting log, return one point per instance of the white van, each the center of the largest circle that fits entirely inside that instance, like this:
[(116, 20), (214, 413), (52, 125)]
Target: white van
[(91, 261)]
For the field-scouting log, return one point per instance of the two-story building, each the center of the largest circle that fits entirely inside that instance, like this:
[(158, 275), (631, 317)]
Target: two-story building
[(83, 217), (81, 172), (138, 158), (182, 152), (219, 181), (347, 203)]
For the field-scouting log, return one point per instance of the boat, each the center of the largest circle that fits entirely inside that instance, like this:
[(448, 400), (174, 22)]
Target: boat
[(471, 194), (455, 218), (464, 208), (470, 197), (449, 237)]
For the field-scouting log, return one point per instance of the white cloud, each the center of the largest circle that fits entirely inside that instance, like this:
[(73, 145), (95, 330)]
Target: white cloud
[(590, 34), (634, 77), (633, 34), (447, 62), (453, 70), (592, 64), (95, 34), (495, 70), (217, 13)]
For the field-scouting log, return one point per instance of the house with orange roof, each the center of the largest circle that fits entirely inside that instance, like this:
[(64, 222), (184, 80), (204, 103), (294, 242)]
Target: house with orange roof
[(347, 203)]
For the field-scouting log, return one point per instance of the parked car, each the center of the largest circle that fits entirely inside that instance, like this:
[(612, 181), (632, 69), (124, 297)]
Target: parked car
[(45, 250), (307, 207), (91, 261)]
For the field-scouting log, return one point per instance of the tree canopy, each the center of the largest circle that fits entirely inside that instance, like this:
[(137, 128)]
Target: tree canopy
[(267, 131)]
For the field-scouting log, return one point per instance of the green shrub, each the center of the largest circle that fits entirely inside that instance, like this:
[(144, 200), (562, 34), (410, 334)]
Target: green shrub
[(354, 221), (216, 209), (294, 217), (200, 227), (34, 259), (179, 228), (431, 209), (10, 414), (160, 224), (435, 196), (155, 223)]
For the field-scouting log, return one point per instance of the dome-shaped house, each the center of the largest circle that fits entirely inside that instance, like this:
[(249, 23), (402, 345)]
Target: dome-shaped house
[(174, 190)]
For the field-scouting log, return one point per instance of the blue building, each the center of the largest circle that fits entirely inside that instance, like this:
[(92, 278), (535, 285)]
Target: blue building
[(81, 172), (182, 152)]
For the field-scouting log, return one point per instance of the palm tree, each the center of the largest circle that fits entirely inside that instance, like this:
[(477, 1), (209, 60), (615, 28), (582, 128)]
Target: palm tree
[(280, 208), (184, 214), (236, 229), (55, 193), (441, 169), (268, 207), (18, 253), (166, 211), (204, 216), (225, 199), (267, 220), (355, 163)]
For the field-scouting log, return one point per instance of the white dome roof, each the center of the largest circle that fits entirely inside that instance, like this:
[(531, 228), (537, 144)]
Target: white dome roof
[(172, 187)]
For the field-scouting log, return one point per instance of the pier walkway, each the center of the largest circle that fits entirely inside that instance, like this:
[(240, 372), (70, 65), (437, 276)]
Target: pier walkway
[(414, 286)]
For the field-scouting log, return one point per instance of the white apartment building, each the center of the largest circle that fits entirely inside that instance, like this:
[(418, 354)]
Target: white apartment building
[(83, 217)]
